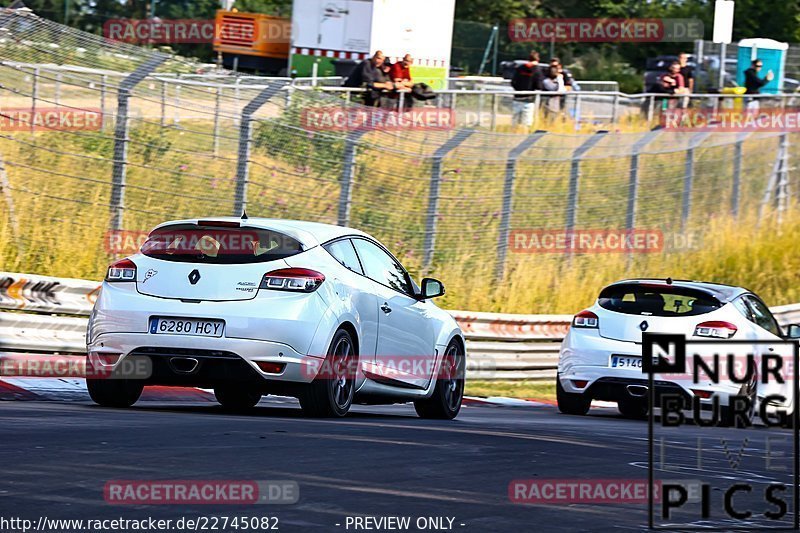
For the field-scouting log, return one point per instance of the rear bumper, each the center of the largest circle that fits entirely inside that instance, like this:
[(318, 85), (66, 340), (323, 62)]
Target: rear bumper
[(218, 360), (583, 368)]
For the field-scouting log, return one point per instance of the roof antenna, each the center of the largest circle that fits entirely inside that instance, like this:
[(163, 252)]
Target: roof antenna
[(669, 281), (244, 214)]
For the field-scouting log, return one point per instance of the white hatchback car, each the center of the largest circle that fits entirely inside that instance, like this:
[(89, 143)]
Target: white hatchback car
[(258, 306), (601, 356)]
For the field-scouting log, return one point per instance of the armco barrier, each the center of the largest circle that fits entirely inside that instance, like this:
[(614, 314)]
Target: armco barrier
[(500, 346)]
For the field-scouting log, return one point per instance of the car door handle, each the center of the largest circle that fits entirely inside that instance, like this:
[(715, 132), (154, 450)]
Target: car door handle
[(386, 309)]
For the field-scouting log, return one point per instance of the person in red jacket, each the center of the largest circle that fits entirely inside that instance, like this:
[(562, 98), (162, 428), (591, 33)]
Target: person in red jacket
[(400, 74)]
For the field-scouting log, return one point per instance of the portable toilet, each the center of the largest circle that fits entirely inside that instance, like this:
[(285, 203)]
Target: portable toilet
[(771, 53)]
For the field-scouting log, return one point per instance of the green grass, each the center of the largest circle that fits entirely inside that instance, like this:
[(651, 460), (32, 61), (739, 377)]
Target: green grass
[(529, 390)]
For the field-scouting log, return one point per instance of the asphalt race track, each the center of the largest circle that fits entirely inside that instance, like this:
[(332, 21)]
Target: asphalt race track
[(379, 461)]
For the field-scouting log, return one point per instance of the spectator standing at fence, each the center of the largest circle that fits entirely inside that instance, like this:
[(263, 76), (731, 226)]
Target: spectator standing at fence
[(400, 74), (687, 71), (527, 77), (553, 82), (753, 84), (369, 75), (672, 82), (565, 80)]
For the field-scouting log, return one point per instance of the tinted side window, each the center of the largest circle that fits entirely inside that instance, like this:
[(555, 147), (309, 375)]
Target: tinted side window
[(763, 316), (381, 267), (743, 308), (343, 252)]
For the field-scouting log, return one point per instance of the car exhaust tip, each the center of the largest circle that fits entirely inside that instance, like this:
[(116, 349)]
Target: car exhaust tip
[(184, 365), (637, 390)]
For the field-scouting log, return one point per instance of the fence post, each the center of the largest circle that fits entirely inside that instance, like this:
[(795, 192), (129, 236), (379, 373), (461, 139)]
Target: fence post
[(615, 109), (495, 110), (177, 118), (217, 97), (121, 136), (737, 173), (103, 83), (5, 189), (574, 178), (508, 197), (651, 104), (433, 196), (633, 181), (34, 96), (688, 179), (57, 90), (163, 103), (348, 172), (245, 132)]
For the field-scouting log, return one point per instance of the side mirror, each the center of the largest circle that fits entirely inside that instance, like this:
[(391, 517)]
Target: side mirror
[(431, 288), (793, 331)]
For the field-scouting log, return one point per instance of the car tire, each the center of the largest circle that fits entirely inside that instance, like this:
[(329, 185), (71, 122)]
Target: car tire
[(634, 408), (570, 403), (114, 392), (236, 398), (331, 393), (445, 402)]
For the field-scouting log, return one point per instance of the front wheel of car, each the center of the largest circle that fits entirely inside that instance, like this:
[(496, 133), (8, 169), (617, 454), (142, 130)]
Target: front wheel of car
[(570, 403), (445, 402), (114, 392), (331, 393), (236, 398)]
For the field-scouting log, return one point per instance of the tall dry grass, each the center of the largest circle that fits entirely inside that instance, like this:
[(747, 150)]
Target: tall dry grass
[(61, 191)]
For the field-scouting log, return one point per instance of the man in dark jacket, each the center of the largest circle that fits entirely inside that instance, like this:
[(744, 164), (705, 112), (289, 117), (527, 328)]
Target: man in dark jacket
[(527, 77), (753, 83), (370, 75)]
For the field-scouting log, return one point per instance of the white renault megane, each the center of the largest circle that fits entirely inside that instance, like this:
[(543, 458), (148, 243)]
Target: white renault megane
[(256, 306), (601, 356)]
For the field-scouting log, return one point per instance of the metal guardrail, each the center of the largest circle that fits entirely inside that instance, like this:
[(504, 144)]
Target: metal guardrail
[(499, 346)]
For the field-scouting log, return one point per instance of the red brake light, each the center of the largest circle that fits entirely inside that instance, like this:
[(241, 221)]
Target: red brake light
[(585, 319), (292, 279), (122, 270), (270, 367), (715, 328)]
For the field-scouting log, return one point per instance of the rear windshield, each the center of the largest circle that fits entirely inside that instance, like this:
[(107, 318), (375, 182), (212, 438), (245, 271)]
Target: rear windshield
[(188, 243), (657, 301)]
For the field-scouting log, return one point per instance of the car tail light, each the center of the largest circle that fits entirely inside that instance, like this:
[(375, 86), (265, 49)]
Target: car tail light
[(270, 368), (585, 319), (109, 358), (122, 270), (292, 279), (702, 394), (715, 328), (579, 383)]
